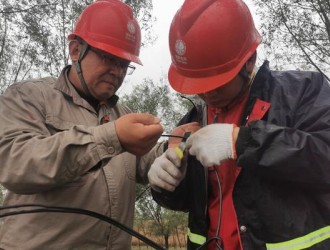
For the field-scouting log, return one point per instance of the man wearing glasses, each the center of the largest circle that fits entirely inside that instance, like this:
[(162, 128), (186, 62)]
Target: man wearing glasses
[(66, 142)]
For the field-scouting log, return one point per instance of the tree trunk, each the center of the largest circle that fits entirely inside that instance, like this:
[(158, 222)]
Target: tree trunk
[(166, 237), (178, 236)]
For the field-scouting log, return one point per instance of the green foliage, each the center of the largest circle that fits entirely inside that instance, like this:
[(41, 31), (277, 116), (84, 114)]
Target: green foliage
[(158, 100), (170, 107), (36, 37), (296, 34)]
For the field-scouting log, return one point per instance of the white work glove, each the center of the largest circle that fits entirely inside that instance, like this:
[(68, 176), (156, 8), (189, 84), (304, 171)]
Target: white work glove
[(167, 171), (213, 144)]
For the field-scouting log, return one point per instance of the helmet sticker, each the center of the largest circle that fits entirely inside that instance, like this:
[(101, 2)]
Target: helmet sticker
[(180, 49), (131, 27), (130, 35)]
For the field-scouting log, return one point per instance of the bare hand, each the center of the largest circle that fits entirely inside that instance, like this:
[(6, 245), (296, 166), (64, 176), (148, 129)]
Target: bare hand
[(179, 131), (138, 133)]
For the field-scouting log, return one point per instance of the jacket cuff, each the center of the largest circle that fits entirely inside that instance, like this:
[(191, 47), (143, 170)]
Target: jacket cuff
[(105, 136)]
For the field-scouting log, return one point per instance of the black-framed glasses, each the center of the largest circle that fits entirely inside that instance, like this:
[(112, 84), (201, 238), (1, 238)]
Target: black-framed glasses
[(114, 60)]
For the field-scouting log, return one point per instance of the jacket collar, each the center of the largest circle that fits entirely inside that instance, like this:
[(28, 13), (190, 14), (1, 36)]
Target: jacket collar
[(65, 86)]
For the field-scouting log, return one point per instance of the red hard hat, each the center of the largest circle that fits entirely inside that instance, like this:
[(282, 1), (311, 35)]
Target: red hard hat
[(109, 25), (210, 41)]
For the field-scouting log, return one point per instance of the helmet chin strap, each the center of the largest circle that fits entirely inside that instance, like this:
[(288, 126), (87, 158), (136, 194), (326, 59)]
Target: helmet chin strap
[(77, 64)]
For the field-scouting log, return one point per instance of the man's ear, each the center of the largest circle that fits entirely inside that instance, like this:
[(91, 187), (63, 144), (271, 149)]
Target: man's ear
[(74, 50), (249, 65)]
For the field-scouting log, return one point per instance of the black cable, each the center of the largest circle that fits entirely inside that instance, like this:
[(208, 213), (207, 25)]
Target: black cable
[(218, 240), (199, 111), (176, 136), (220, 210), (142, 193), (217, 237), (208, 242), (184, 97), (57, 209)]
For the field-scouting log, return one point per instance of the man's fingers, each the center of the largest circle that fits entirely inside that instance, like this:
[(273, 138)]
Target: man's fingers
[(153, 130), (138, 133), (180, 131), (145, 118)]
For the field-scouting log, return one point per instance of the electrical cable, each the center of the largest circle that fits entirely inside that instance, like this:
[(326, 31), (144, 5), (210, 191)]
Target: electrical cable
[(220, 247), (199, 111), (142, 193), (206, 243), (216, 238), (184, 97), (176, 136), (58, 209)]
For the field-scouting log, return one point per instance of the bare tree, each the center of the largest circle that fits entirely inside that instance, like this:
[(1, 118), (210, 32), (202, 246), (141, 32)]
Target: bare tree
[(296, 33), (159, 221), (33, 35)]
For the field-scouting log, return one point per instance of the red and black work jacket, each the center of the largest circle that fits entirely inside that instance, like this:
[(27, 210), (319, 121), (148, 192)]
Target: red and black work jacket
[(282, 193)]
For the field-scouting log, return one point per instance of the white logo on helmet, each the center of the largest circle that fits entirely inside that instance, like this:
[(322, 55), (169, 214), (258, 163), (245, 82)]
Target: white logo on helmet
[(130, 35), (131, 27), (180, 47)]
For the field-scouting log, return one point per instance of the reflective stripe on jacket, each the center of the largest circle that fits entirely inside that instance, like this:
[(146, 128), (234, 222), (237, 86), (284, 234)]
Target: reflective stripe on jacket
[(282, 195)]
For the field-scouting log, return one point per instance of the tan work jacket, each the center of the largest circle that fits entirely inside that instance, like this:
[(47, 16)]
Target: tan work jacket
[(54, 152)]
